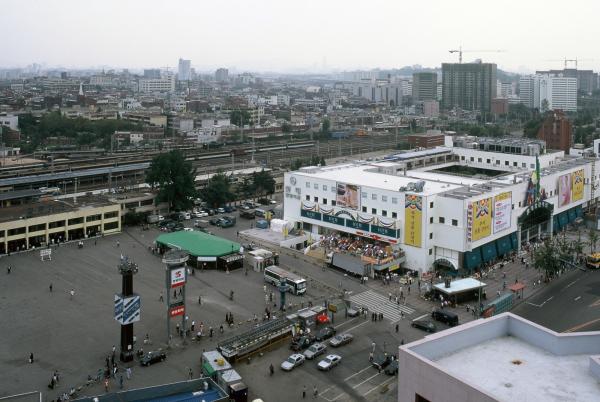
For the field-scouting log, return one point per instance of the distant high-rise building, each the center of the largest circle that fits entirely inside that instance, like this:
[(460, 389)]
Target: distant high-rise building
[(587, 80), (184, 70), (424, 86), (549, 92), (152, 73), (469, 86), (222, 75)]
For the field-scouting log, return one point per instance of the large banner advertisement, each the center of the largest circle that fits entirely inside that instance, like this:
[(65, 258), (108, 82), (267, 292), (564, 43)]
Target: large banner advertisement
[(564, 190), (413, 211), (577, 182), (347, 196), (502, 211), (482, 219), (177, 277)]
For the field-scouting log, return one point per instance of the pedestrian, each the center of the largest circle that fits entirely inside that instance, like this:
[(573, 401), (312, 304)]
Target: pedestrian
[(31, 357), (265, 288), (210, 332), (397, 327), (161, 298), (106, 385), (381, 316), (315, 391), (190, 373), (118, 244), (304, 392), (174, 293), (177, 328), (221, 328), (107, 362), (370, 357), (390, 296), (401, 315), (128, 372), (121, 382), (114, 350), (193, 325), (50, 287), (72, 293)]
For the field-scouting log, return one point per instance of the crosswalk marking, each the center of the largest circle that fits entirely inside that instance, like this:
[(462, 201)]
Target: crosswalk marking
[(378, 303)]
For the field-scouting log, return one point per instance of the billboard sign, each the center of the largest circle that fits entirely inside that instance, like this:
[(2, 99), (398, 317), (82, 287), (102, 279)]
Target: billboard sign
[(347, 196), (502, 211), (177, 277), (577, 183), (176, 310), (564, 190), (413, 213), (127, 309), (481, 219)]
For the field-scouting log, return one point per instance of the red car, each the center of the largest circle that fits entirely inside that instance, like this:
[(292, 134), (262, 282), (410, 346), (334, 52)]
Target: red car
[(323, 319)]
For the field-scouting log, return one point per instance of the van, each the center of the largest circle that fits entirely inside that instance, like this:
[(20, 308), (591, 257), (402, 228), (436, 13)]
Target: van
[(444, 316)]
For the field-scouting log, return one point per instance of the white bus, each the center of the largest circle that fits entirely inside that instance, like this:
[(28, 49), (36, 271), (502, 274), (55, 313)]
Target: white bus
[(276, 275)]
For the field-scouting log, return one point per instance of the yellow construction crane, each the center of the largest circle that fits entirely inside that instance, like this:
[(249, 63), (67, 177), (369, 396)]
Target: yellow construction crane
[(460, 52)]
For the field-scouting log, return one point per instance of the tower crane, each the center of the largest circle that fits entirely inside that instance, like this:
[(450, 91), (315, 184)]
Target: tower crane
[(574, 61), (460, 52)]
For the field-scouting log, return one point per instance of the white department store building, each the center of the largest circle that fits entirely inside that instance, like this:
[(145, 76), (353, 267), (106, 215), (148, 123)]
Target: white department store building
[(441, 217)]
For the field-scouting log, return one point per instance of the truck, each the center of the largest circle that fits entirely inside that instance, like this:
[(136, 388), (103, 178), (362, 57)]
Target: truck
[(154, 218)]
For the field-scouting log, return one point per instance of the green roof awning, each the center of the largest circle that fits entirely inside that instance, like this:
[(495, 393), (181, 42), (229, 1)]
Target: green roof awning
[(198, 244)]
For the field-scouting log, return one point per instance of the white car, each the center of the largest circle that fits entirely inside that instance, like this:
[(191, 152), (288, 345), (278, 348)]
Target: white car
[(314, 350), (187, 215), (161, 218), (292, 361), (220, 210), (188, 229), (329, 362)]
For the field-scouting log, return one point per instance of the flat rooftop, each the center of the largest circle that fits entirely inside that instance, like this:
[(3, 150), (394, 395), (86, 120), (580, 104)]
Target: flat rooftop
[(510, 369), (42, 208)]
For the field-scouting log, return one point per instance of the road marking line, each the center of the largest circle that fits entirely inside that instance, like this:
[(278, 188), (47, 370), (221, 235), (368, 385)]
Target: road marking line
[(577, 298), (541, 305), (358, 372), (334, 399), (356, 326), (359, 384), (345, 322), (380, 385), (572, 283), (585, 324)]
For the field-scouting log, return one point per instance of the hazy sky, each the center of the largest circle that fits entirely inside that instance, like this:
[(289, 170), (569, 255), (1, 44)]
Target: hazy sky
[(279, 35)]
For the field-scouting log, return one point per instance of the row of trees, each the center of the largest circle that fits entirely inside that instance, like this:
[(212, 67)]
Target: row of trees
[(174, 177), (559, 252), (83, 131)]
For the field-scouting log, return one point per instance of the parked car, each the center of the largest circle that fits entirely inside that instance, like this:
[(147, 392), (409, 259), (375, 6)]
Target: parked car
[(329, 362), (153, 357), (229, 209), (210, 211), (293, 361), (301, 343), (352, 312), (263, 201), (341, 339), (220, 210), (314, 350), (425, 325), (392, 368), (186, 215), (381, 361), (325, 334), (444, 316), (188, 229), (213, 221)]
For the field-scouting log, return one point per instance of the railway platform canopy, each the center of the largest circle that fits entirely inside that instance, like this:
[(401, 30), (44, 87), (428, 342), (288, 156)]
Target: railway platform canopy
[(205, 250)]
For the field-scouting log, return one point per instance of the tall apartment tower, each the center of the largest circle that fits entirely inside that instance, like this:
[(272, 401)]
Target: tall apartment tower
[(185, 69), (222, 75), (424, 86), (469, 86), (549, 92)]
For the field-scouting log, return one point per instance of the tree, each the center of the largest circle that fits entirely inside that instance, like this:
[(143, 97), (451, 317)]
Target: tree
[(174, 178), (286, 128), (325, 126), (239, 117), (218, 191), (593, 239), (246, 188), (263, 183), (546, 259)]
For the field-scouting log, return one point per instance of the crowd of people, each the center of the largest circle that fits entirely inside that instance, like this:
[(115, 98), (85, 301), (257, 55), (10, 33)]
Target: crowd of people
[(358, 245)]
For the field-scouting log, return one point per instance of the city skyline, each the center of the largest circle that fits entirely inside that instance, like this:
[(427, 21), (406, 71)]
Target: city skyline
[(281, 37)]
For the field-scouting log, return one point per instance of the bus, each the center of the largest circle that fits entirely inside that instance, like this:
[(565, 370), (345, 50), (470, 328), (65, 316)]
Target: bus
[(593, 261), (276, 275)]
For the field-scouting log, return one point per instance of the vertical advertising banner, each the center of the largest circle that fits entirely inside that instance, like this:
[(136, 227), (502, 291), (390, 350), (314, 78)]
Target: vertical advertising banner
[(347, 195), (413, 211), (482, 219), (177, 277), (577, 183), (502, 211), (564, 190)]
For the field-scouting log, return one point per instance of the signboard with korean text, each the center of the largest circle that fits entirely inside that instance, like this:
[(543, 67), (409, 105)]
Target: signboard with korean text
[(310, 214), (177, 277), (502, 211), (333, 219), (413, 215), (357, 225), (577, 183), (482, 219), (384, 231), (176, 309)]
